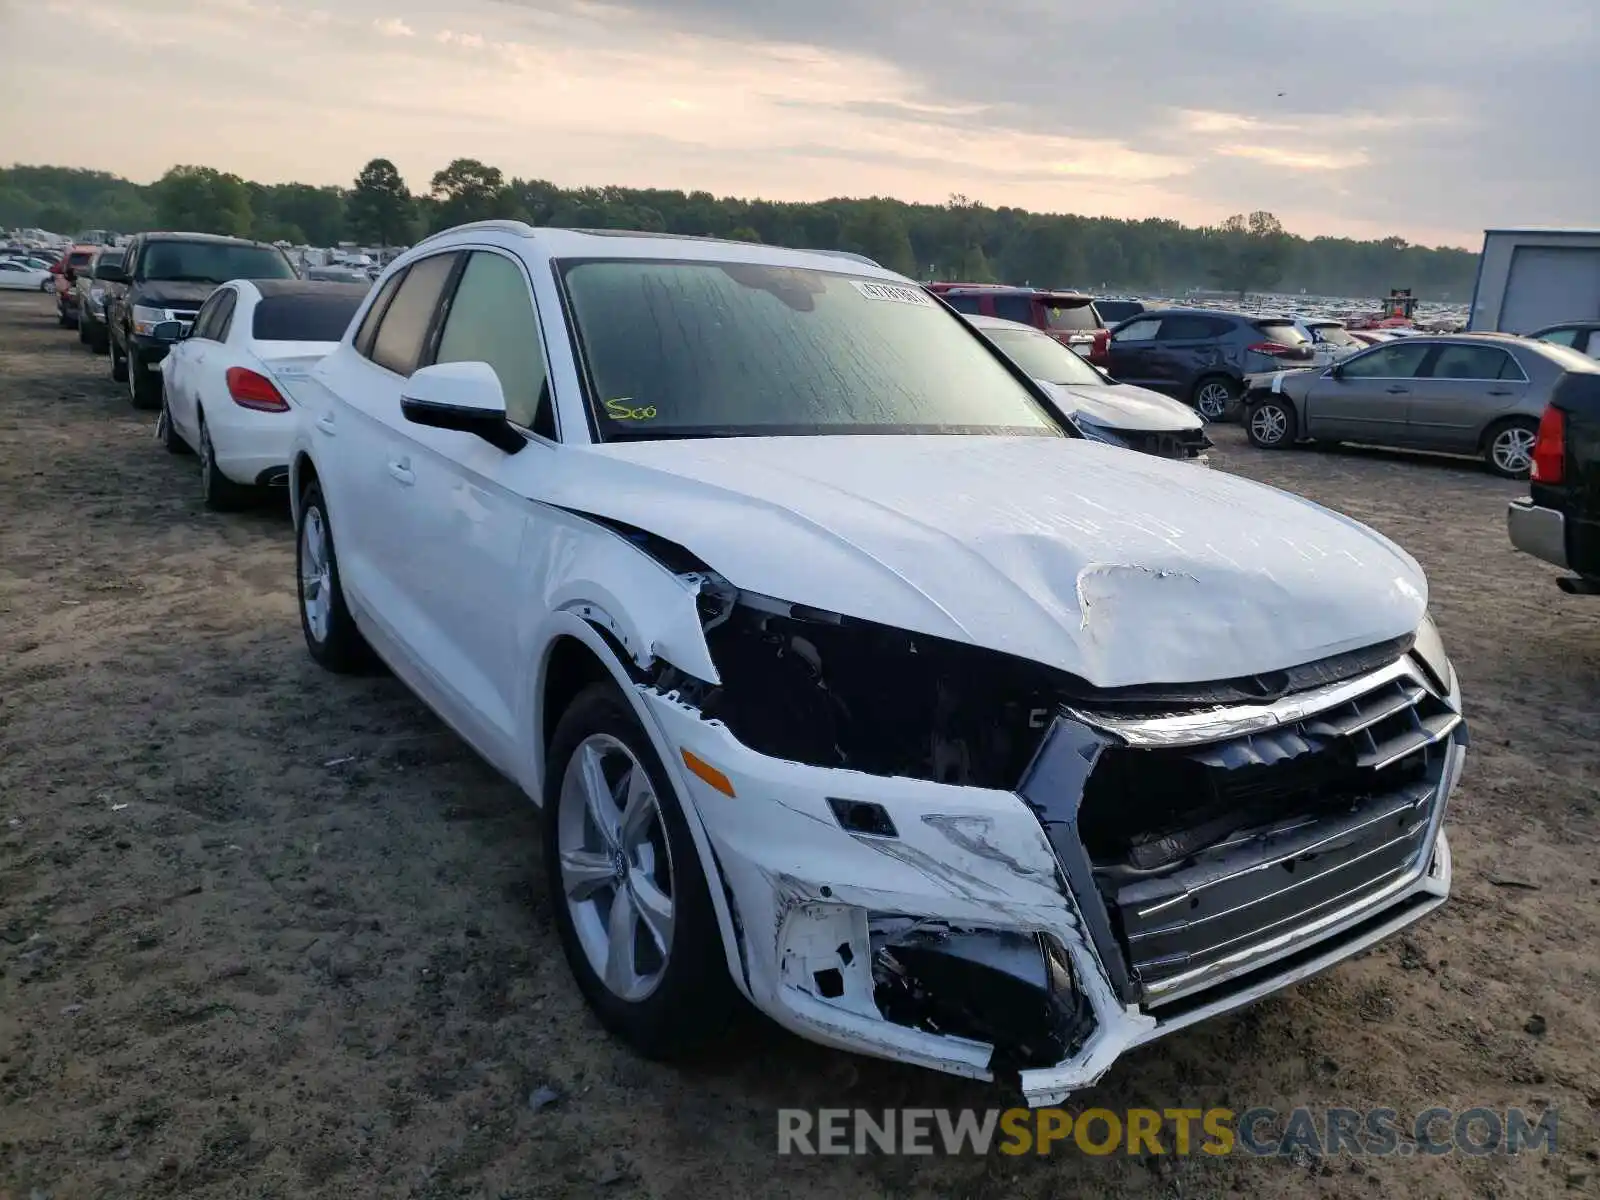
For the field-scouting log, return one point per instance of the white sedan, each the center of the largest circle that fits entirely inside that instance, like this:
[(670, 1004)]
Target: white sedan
[(849, 676), (17, 275), (227, 384), (1104, 409)]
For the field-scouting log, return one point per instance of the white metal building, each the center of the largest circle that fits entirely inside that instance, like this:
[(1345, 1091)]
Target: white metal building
[(1530, 278)]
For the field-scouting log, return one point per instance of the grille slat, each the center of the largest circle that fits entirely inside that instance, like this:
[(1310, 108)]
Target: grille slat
[(1201, 851)]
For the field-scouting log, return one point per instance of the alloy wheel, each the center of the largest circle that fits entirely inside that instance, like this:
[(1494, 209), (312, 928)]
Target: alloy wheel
[(1268, 424), (1212, 400), (616, 866), (316, 574), (1512, 450)]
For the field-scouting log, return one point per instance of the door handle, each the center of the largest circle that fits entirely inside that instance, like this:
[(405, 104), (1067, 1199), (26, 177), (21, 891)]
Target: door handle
[(325, 425), (402, 471), (1397, 391), (1499, 391)]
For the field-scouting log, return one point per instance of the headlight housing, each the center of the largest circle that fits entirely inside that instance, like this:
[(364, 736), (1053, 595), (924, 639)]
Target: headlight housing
[(145, 319), (1429, 648), (1096, 432)]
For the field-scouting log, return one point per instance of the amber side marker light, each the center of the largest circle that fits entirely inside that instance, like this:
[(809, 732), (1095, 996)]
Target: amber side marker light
[(701, 769)]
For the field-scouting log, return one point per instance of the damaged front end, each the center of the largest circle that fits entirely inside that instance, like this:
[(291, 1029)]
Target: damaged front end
[(951, 856)]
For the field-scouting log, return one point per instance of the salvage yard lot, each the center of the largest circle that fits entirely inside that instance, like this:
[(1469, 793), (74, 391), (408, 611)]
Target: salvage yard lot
[(264, 932)]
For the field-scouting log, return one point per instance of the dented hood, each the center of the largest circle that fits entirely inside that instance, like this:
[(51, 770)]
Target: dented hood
[(1120, 568)]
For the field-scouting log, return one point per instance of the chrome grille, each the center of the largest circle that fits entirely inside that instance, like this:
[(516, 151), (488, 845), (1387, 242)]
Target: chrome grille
[(1206, 842)]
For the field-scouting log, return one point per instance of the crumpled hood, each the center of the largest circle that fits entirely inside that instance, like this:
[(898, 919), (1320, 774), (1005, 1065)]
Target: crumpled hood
[(1119, 568), (1122, 406)]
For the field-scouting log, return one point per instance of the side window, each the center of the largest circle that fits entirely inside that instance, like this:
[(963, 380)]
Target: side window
[(1015, 308), (1185, 328), (1390, 362), (131, 262), (374, 314), (492, 320), (966, 304), (1143, 330), (1473, 362), (1594, 343), (224, 318), (1561, 337), (405, 323)]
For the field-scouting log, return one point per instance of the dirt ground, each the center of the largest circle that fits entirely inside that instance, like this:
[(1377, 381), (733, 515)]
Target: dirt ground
[(269, 933)]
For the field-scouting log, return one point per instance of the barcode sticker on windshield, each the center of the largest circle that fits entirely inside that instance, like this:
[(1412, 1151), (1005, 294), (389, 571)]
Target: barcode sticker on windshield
[(893, 291)]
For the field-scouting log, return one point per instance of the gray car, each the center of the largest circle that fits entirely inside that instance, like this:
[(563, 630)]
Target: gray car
[(1478, 394)]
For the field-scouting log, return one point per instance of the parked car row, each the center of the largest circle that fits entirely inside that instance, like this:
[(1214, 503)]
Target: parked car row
[(851, 674)]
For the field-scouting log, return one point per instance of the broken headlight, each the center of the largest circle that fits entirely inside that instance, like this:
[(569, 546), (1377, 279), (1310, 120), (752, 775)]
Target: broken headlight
[(1429, 650)]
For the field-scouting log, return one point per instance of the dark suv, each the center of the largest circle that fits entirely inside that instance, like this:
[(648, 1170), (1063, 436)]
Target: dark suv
[(1202, 357), (167, 277)]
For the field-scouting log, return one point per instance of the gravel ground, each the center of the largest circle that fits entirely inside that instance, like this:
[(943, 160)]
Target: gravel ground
[(268, 933)]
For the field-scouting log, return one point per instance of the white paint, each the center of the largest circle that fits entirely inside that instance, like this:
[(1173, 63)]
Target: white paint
[(1123, 406)]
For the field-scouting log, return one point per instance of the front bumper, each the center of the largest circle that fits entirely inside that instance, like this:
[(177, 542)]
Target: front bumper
[(1541, 532), (811, 899)]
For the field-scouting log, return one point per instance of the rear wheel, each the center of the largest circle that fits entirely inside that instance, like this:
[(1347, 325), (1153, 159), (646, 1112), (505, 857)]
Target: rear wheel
[(219, 493), (330, 631), (1271, 424), (1508, 447), (1214, 396), (630, 899)]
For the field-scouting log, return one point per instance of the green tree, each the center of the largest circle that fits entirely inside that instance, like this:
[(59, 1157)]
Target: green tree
[(203, 200), (1252, 253), (878, 231), (468, 190), (380, 207)]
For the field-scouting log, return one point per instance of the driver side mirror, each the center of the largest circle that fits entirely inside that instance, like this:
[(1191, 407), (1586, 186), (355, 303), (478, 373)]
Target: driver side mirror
[(464, 396), (168, 331), (1336, 370)]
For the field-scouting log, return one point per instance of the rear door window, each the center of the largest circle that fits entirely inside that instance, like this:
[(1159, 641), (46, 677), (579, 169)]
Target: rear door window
[(1474, 362), (1561, 337), (1185, 327), (965, 304), (404, 326)]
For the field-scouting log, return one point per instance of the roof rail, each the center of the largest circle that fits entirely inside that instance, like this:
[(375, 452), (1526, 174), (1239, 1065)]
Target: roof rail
[(521, 228)]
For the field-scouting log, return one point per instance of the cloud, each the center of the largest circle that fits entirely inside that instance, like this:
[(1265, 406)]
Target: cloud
[(1343, 116)]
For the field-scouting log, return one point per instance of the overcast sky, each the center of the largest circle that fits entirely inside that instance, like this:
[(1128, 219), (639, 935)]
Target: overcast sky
[(1430, 119)]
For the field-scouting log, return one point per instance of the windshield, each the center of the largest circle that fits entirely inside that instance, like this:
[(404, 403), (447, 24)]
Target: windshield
[(213, 262), (1077, 317), (726, 349), (1042, 357)]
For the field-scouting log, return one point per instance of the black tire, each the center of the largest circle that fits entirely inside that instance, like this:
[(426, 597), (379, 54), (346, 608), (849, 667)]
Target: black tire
[(695, 1000), (119, 362), (83, 333), (101, 344), (342, 649), (1270, 424), (167, 434), (1496, 446), (1214, 396), (144, 385), (63, 318), (217, 491)]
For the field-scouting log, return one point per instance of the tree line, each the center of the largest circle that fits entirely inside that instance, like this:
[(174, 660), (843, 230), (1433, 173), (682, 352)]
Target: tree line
[(959, 239)]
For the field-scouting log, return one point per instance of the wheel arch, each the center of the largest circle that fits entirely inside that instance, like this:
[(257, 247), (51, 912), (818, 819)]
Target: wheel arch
[(302, 473), (579, 651)]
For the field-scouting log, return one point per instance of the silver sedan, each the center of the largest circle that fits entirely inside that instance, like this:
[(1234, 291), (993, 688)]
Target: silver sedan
[(1477, 394)]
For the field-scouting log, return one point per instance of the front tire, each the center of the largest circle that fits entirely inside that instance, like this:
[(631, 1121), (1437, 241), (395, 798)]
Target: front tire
[(330, 631), (1508, 447), (144, 385), (119, 363), (1271, 424), (631, 901), (1214, 396), (166, 433)]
